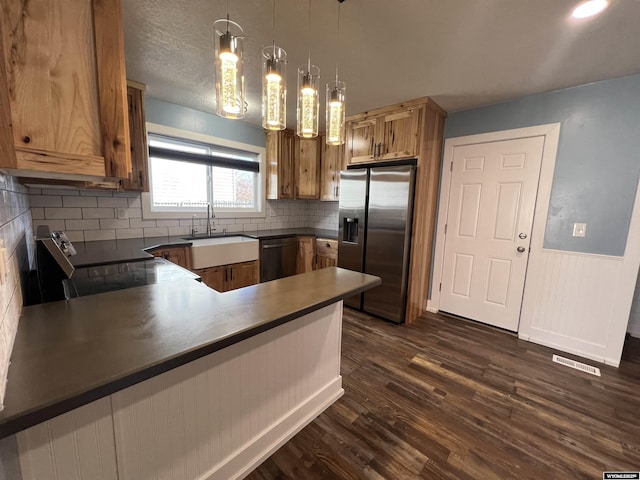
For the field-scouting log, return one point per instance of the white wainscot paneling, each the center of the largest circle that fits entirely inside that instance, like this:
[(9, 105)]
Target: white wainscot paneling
[(219, 416), (78, 445), (569, 304), (634, 318)]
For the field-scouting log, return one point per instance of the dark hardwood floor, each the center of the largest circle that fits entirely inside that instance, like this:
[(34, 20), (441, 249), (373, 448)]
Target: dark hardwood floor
[(445, 398)]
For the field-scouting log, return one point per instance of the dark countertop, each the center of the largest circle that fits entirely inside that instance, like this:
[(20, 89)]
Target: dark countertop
[(115, 251), (67, 354)]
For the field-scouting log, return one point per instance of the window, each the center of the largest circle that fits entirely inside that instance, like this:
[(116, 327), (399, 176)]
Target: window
[(186, 175)]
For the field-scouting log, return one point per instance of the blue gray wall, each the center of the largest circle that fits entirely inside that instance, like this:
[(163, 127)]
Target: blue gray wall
[(598, 160), (184, 118)]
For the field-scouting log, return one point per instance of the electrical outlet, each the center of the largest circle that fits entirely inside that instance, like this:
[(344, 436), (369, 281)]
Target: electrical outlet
[(579, 230), (122, 214)]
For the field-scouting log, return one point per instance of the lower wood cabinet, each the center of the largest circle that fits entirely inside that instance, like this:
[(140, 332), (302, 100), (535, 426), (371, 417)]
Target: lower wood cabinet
[(306, 258), (178, 255), (327, 253), (230, 277)]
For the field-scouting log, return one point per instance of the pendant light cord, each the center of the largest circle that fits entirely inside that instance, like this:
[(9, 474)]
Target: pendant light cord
[(309, 40), (274, 28), (338, 44)]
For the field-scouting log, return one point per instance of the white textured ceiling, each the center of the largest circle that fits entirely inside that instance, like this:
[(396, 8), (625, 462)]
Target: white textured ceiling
[(462, 53)]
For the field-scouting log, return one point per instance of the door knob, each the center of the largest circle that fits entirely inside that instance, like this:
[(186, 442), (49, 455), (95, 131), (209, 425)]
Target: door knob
[(523, 236), (521, 249)]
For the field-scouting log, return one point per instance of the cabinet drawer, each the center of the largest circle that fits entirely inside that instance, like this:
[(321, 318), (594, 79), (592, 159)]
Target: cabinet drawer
[(327, 248)]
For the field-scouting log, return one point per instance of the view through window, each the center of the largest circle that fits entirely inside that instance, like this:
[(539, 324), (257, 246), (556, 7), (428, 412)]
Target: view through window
[(228, 179)]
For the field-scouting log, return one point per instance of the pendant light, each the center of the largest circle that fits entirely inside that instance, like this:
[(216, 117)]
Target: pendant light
[(335, 108), (308, 98), (229, 68), (274, 87)]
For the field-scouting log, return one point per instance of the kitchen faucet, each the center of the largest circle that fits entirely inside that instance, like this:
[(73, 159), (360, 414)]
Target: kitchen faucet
[(193, 226), (210, 216)]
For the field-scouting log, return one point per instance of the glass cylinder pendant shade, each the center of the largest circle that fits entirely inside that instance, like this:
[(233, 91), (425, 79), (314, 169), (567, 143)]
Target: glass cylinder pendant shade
[(229, 71), (335, 112), (274, 88), (308, 101)]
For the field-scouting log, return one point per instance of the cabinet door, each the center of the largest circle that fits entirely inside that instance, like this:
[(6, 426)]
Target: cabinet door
[(180, 256), (360, 141), (327, 253), (64, 64), (242, 274), (306, 259), (330, 167), (307, 168), (138, 178), (280, 148), (398, 134), (214, 277)]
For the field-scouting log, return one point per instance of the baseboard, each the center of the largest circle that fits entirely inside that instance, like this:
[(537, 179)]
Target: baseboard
[(634, 331), (431, 308), (567, 349), (244, 460)]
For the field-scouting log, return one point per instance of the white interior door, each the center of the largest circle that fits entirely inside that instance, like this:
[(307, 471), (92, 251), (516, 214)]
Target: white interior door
[(491, 203)]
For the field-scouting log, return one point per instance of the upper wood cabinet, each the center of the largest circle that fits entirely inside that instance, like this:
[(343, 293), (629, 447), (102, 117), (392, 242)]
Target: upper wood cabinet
[(331, 163), (412, 129), (384, 136), (307, 162), (280, 164), (139, 177), (63, 101), (293, 166)]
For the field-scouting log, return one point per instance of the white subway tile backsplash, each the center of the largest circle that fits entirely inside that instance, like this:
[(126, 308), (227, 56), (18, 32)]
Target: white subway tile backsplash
[(156, 232), (98, 213), (113, 202), (62, 213), (16, 233), (91, 224), (109, 223), (139, 223), (61, 191), (37, 213), (179, 231), (75, 235), (96, 193), (129, 233), (134, 202), (127, 194), (46, 201), (80, 201), (91, 235), (133, 212), (52, 224), (168, 223)]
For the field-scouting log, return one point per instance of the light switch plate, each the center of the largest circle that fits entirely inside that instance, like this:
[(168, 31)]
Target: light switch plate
[(579, 230)]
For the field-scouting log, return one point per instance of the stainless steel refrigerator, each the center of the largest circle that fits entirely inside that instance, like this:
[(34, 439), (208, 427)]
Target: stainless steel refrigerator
[(376, 213)]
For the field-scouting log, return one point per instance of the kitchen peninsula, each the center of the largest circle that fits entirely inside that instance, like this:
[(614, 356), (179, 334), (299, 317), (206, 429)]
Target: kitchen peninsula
[(173, 377)]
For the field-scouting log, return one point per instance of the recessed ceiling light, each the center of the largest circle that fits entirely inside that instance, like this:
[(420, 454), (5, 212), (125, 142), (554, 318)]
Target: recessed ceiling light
[(589, 8)]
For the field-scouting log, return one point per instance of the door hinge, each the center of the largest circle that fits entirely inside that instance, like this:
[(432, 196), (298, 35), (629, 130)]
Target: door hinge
[(451, 166), (440, 288), (445, 228)]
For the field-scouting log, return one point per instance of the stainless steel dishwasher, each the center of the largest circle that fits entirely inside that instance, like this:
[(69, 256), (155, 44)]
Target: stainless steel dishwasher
[(278, 258)]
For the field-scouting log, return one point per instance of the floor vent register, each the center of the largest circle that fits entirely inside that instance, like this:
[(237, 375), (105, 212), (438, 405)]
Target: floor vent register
[(577, 365)]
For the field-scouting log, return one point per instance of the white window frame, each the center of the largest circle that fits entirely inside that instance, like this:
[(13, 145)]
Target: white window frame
[(259, 212)]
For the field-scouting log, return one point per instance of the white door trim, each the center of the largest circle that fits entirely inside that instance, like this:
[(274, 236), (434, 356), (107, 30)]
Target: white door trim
[(551, 132)]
